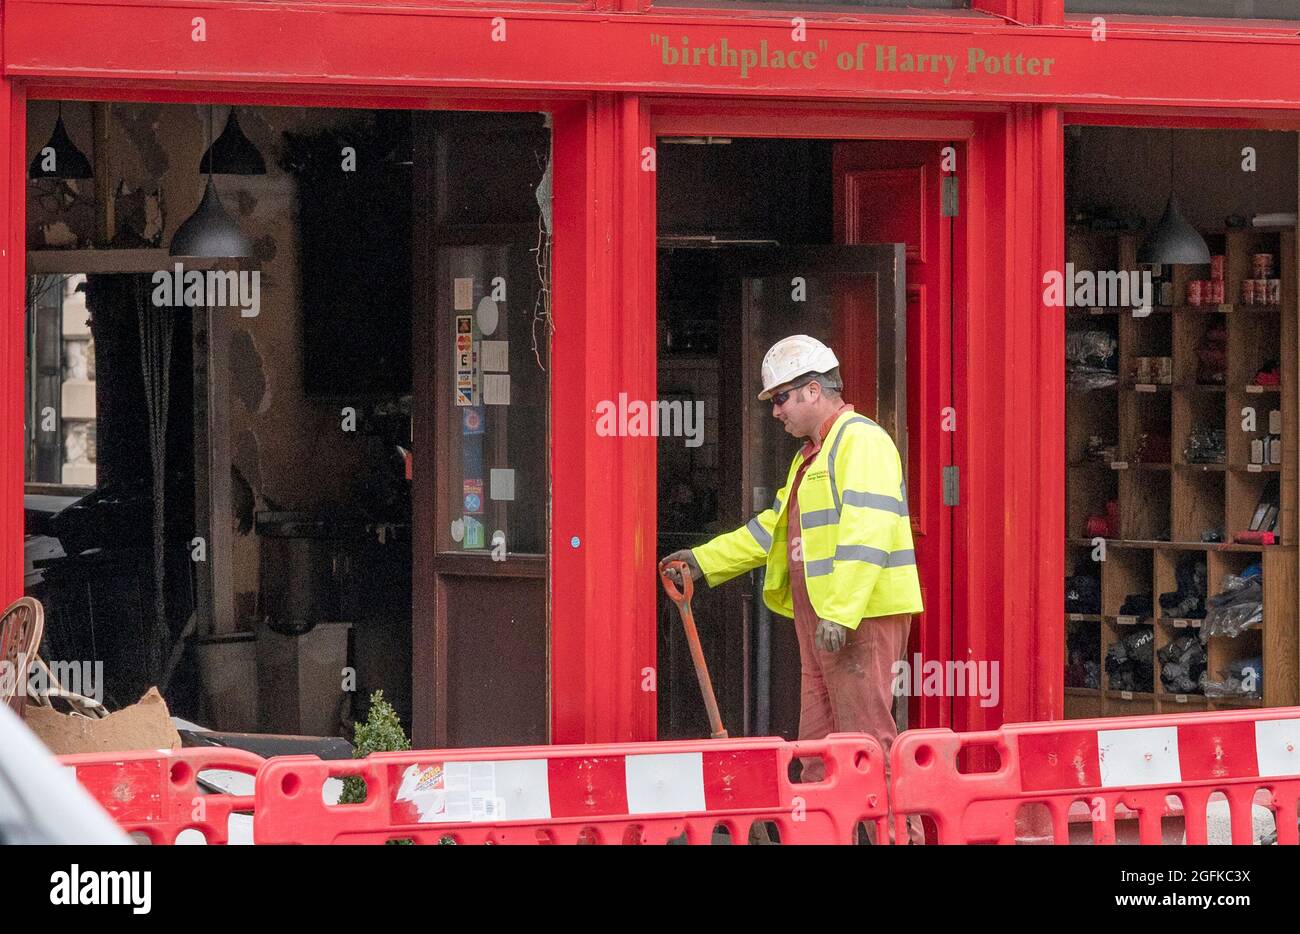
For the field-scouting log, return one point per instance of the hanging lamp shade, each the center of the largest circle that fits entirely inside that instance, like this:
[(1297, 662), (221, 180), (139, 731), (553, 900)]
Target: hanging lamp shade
[(1174, 240), (210, 231), (60, 158), (232, 153)]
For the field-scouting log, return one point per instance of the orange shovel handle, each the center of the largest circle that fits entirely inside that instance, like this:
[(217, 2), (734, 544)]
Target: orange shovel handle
[(683, 601)]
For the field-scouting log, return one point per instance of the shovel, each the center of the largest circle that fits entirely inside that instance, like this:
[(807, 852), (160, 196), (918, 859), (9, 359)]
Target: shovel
[(683, 602)]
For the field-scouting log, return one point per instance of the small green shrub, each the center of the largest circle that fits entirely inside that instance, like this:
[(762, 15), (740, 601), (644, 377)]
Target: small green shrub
[(382, 732)]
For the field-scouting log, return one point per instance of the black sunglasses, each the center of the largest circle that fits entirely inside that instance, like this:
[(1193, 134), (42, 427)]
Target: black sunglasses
[(778, 398)]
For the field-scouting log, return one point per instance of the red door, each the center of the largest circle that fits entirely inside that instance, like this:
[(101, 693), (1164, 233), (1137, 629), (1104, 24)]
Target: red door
[(890, 192)]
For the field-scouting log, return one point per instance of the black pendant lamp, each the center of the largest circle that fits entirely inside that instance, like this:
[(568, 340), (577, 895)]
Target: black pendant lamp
[(1173, 240), (210, 231), (69, 161), (232, 153)]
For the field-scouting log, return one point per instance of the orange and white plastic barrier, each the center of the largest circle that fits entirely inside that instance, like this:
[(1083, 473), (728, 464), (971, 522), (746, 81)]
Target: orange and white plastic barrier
[(155, 792), (628, 793), (1109, 766)]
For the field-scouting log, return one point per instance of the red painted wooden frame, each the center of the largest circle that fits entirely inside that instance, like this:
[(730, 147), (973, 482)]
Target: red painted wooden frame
[(592, 68)]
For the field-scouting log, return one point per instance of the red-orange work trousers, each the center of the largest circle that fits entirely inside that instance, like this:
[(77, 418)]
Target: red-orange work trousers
[(851, 691)]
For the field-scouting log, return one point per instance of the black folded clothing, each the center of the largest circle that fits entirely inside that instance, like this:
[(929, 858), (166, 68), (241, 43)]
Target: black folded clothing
[(1188, 601), (1130, 665), (1182, 662), (1136, 604), (1083, 590)]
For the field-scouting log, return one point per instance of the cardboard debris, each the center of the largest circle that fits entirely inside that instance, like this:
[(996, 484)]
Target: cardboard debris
[(146, 724)]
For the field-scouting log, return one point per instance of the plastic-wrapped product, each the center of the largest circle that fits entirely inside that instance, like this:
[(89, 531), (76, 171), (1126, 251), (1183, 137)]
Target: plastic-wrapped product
[(1091, 348), (1238, 607), (1242, 678), (1182, 662)]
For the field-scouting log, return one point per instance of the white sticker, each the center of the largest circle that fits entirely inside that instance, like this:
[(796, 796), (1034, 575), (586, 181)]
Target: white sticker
[(501, 483), (496, 389), (463, 294), (488, 315), (495, 356)]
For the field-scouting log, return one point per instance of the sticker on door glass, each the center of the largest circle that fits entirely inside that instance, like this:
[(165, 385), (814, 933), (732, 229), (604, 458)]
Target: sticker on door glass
[(474, 496)]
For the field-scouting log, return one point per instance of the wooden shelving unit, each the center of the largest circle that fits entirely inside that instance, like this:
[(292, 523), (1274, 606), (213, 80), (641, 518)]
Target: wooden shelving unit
[(1164, 503)]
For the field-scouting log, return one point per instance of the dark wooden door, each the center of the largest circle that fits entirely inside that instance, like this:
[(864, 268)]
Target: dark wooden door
[(852, 298)]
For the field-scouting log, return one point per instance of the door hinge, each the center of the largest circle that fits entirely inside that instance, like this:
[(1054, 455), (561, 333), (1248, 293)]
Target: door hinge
[(948, 196), (952, 485)]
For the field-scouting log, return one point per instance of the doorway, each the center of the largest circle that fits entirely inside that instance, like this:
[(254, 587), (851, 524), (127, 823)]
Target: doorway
[(759, 239)]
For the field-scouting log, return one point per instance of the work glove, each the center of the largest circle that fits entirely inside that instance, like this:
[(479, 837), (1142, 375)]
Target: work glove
[(684, 555), (830, 637)]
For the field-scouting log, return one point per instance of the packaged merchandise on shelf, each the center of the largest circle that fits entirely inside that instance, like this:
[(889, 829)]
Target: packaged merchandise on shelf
[(1129, 662), (1090, 358), (1242, 678), (1083, 590), (1182, 662), (1206, 445), (1268, 375), (1216, 267), (1105, 526), (1237, 607), (1137, 604), (1261, 266), (1188, 600), (1082, 656), (1099, 450)]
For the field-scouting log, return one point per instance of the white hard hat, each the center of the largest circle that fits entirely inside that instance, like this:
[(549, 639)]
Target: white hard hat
[(792, 357)]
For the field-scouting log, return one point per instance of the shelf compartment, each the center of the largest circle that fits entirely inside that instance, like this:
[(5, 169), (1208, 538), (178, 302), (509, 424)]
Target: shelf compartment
[(1198, 503), (1144, 504)]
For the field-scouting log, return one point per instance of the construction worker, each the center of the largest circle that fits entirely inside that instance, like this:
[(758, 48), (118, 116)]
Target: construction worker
[(837, 544)]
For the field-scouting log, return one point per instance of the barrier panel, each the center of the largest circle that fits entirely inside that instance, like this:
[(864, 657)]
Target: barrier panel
[(155, 792), (617, 793), (1109, 765)]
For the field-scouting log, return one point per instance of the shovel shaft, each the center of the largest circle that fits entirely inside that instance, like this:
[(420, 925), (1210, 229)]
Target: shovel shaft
[(683, 602)]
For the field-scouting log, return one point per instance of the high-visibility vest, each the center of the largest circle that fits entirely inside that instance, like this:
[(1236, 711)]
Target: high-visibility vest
[(856, 535)]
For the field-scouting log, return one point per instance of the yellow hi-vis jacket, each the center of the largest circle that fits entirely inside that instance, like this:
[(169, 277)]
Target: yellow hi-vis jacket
[(856, 535)]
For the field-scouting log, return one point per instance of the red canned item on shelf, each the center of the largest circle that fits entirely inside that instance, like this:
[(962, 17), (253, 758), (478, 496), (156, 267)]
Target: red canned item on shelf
[(1261, 265), (1216, 268), (1275, 291), (1248, 291), (1195, 292)]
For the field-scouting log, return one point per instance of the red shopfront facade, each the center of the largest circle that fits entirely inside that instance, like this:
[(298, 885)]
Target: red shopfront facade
[(614, 78)]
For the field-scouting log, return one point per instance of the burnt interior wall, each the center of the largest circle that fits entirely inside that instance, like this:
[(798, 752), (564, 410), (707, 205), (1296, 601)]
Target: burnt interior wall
[(287, 448)]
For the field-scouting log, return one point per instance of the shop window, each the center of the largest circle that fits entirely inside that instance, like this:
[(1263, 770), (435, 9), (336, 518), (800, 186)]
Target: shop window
[(1225, 9), (1179, 420), (60, 411)]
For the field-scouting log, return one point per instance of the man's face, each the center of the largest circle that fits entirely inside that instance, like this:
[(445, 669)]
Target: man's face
[(796, 408)]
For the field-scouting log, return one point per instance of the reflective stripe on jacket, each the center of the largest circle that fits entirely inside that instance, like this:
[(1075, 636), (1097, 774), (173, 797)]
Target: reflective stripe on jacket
[(857, 538)]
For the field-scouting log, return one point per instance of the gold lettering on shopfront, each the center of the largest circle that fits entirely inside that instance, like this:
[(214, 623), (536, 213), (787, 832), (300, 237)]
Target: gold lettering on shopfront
[(747, 60)]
